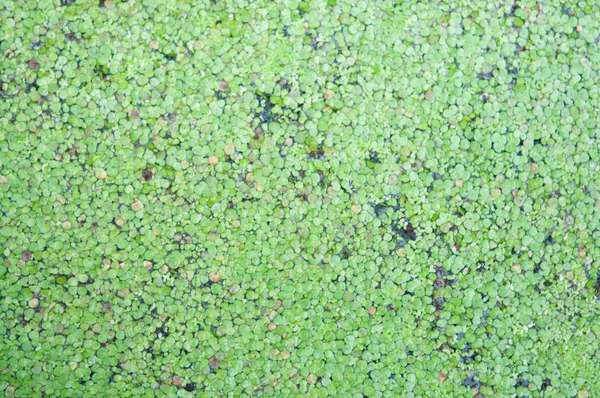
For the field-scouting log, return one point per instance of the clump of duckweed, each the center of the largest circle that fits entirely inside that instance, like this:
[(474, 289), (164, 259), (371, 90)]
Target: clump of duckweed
[(300, 198)]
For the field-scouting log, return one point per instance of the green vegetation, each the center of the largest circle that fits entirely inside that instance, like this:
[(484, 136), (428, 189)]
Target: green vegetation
[(299, 198)]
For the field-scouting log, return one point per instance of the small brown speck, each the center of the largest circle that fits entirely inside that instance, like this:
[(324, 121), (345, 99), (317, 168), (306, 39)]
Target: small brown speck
[(137, 205), (442, 377), (223, 85), (214, 276), (214, 362), (177, 381), (578, 28), (33, 64), (213, 160), (147, 175), (257, 132), (328, 94), (27, 255), (534, 168), (271, 326), (312, 379), (372, 310)]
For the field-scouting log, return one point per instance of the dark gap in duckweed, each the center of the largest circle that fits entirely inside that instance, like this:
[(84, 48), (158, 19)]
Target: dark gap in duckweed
[(265, 114), (190, 387), (317, 154), (471, 381), (381, 208), (170, 56), (405, 233), (102, 72), (373, 158)]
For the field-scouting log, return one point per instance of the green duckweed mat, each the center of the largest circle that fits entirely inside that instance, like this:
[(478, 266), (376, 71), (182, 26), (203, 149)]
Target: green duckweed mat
[(299, 198)]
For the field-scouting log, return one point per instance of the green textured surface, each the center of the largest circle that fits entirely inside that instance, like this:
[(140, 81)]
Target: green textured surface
[(299, 199)]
